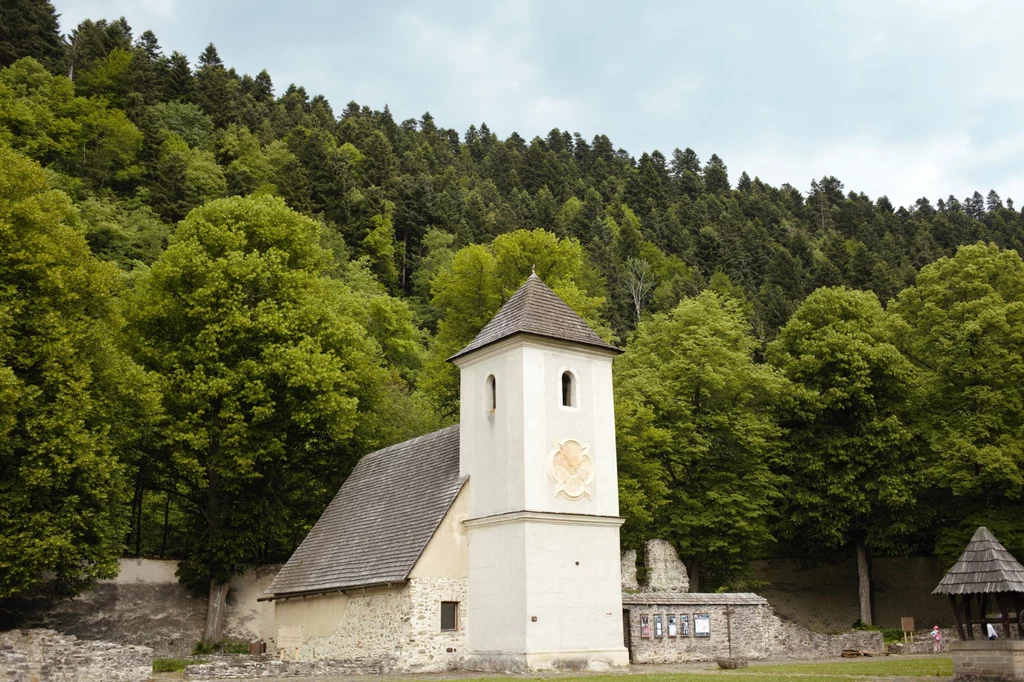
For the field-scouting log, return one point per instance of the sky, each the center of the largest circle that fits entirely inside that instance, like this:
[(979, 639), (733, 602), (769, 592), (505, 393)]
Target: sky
[(907, 98)]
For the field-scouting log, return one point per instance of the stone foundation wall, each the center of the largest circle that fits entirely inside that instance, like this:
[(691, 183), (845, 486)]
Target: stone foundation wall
[(988, 660), (757, 634), (39, 654)]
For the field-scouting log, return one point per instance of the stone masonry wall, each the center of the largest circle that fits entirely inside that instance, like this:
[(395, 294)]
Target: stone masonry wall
[(429, 648), (375, 626), (40, 655), (988, 660), (398, 629), (756, 634)]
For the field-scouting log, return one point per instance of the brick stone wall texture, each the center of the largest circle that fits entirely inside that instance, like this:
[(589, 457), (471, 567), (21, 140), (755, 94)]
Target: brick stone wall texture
[(39, 655), (999, 660), (757, 634), (400, 629)]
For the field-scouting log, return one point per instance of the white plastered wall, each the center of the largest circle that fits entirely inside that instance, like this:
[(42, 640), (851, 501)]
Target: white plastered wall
[(530, 604)]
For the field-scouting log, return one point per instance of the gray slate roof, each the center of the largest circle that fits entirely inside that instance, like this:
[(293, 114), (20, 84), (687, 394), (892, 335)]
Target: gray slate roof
[(381, 520), (535, 309), (691, 598), (984, 567)]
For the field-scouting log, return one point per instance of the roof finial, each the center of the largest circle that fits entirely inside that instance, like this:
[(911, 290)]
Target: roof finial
[(534, 270)]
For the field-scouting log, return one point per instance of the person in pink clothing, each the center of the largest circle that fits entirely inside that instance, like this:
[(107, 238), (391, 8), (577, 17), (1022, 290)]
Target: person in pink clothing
[(936, 635)]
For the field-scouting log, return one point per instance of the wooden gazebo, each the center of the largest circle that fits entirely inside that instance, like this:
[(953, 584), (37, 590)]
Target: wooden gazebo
[(986, 575)]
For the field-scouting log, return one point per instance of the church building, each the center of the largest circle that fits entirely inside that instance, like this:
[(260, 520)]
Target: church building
[(489, 545)]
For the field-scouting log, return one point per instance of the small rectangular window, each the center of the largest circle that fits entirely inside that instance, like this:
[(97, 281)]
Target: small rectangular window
[(449, 615)]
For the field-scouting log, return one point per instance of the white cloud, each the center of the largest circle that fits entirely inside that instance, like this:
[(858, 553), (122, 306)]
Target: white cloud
[(490, 69), (903, 170)]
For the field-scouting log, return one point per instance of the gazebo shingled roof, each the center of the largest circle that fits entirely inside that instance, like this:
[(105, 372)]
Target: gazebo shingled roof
[(985, 567)]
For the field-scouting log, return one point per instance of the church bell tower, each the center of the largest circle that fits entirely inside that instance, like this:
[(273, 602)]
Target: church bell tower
[(537, 440)]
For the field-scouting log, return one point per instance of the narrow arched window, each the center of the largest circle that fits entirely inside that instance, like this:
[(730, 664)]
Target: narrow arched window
[(567, 389), (492, 393)]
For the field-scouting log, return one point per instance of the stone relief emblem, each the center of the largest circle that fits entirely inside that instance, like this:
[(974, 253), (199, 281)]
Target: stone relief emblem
[(571, 468)]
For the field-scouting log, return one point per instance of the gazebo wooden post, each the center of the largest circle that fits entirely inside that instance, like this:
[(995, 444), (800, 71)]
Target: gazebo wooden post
[(1019, 602), (1001, 600), (956, 617), (967, 616)]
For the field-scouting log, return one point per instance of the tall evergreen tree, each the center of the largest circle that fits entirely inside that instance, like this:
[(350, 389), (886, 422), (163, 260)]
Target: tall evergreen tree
[(30, 28)]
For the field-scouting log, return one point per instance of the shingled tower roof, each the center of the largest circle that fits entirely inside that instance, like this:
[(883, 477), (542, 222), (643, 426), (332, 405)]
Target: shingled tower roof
[(984, 567), (380, 521), (535, 309)]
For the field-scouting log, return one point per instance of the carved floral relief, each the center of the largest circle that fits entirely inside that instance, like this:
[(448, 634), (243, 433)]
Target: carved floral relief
[(571, 468)]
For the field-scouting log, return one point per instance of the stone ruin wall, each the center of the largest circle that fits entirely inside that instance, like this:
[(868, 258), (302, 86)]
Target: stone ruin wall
[(757, 633), (39, 654), (665, 572)]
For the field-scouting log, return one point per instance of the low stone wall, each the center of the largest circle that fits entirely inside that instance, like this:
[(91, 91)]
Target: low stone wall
[(39, 655), (988, 660), (756, 632), (249, 668)]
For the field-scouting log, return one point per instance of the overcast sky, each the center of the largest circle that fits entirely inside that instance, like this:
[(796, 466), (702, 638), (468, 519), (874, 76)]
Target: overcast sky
[(908, 98)]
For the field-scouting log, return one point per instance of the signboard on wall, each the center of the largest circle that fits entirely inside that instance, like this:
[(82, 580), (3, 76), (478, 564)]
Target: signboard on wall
[(289, 639), (659, 626), (672, 626), (701, 625), (645, 626), (684, 626)]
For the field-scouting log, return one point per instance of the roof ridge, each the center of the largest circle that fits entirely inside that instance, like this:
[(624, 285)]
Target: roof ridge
[(537, 310)]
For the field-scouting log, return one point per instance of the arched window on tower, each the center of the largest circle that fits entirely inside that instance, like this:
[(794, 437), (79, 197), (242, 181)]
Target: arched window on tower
[(491, 393), (568, 389)]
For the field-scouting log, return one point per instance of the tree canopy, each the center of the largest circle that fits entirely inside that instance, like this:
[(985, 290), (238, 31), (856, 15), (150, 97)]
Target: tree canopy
[(294, 273)]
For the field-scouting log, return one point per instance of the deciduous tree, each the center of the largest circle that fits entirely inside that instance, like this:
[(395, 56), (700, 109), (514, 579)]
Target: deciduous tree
[(697, 437), (853, 466)]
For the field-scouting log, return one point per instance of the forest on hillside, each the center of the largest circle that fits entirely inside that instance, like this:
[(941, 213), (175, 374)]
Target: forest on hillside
[(216, 294)]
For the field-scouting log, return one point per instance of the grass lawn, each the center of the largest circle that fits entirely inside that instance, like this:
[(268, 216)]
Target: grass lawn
[(941, 666), (875, 667)]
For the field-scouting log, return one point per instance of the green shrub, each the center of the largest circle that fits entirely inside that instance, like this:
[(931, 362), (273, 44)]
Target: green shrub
[(173, 665), (234, 646), (889, 635), (204, 648)]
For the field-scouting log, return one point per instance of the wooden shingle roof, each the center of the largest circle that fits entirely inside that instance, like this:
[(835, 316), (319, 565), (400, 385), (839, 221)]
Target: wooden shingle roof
[(535, 309), (381, 520), (984, 567)]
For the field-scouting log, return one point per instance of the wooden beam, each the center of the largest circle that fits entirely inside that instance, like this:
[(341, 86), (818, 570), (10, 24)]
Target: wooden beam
[(956, 617), (967, 616), (1001, 600)]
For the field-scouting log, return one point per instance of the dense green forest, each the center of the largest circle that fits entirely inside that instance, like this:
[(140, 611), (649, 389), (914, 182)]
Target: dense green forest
[(216, 295)]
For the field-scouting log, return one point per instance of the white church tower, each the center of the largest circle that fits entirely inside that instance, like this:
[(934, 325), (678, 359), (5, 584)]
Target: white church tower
[(538, 444)]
